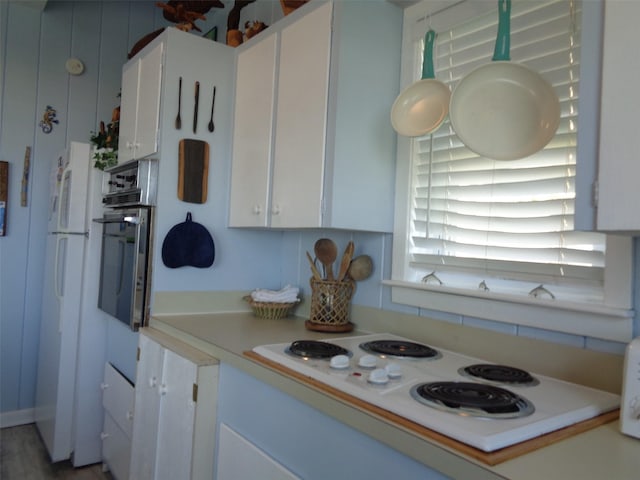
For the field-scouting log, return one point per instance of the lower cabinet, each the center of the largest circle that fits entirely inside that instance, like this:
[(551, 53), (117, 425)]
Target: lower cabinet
[(174, 424), (239, 458), (117, 400)]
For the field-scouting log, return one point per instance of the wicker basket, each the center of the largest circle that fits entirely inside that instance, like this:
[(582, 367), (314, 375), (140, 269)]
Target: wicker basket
[(270, 310), (330, 305)]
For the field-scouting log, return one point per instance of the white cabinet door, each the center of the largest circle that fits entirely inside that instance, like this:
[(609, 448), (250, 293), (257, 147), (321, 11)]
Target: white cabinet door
[(175, 407), (147, 408), (140, 105), (252, 135), (238, 458), (176, 418), (301, 121), (619, 165), (148, 117), (128, 110)]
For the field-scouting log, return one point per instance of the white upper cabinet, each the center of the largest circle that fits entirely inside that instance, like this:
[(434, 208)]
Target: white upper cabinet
[(301, 121), (313, 146), (140, 105), (619, 158), (253, 130)]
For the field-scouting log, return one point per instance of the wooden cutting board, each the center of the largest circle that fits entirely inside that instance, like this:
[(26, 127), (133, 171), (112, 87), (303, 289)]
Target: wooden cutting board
[(193, 170), (489, 458)]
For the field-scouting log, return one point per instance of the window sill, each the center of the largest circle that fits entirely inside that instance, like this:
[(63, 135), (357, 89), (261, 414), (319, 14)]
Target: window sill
[(591, 320)]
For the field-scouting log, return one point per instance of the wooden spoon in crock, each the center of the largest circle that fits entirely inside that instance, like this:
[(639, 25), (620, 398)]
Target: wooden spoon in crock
[(326, 251), (360, 268)]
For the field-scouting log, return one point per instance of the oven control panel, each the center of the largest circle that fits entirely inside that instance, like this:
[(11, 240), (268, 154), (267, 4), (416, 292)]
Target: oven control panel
[(630, 409), (132, 183), (123, 180)]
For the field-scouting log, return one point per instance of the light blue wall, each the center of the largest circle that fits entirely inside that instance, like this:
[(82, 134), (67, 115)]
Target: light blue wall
[(312, 445), (34, 46)]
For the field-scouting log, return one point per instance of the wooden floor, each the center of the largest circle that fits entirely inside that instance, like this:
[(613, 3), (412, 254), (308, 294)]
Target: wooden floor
[(24, 457)]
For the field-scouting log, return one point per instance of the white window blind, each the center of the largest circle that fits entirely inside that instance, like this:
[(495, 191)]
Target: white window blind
[(477, 222)]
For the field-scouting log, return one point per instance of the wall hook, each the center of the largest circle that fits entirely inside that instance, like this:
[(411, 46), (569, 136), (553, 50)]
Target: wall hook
[(430, 276), (539, 291)]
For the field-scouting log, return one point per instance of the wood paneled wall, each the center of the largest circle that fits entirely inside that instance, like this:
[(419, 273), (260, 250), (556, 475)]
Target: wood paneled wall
[(36, 39), (34, 46)]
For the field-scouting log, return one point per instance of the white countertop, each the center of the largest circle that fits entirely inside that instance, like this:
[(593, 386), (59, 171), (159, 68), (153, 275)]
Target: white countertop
[(602, 452)]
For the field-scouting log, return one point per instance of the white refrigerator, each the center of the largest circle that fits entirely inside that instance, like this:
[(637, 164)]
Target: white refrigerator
[(73, 330)]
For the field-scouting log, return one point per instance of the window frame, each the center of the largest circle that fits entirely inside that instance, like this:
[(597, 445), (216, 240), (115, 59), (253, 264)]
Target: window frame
[(610, 320)]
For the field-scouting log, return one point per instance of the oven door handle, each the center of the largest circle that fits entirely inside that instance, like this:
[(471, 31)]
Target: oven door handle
[(132, 219)]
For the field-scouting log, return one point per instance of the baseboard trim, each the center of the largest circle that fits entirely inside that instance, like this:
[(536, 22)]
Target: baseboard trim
[(17, 417)]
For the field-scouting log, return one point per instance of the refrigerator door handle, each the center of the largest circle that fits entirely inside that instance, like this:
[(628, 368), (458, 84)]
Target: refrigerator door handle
[(84, 234), (56, 275)]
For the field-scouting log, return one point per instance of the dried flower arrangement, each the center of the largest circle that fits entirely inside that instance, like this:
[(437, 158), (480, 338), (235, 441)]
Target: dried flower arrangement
[(105, 142)]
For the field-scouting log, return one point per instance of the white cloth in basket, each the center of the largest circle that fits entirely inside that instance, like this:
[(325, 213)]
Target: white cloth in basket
[(288, 294)]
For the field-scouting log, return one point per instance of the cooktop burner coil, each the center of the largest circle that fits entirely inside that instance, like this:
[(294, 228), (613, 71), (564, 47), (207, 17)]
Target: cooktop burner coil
[(472, 399), (400, 348), (316, 349), (500, 374)]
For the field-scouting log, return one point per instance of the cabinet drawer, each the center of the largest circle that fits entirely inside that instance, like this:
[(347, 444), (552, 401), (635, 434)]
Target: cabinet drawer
[(116, 449), (239, 458), (118, 398)]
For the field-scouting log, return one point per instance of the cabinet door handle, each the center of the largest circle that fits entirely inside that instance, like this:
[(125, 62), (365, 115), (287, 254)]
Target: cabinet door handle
[(129, 415), (162, 390), (103, 436), (275, 210), (257, 209), (153, 381), (104, 386)]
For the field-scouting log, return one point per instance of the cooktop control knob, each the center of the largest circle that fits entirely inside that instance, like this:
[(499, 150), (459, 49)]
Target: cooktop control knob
[(367, 361), (378, 376), (393, 370), (339, 361)]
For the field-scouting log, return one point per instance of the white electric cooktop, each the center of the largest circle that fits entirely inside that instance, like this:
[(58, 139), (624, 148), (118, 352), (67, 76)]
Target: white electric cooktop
[(537, 406)]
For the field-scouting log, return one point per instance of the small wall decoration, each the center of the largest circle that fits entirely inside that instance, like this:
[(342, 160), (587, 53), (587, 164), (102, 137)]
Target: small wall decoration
[(234, 34), (24, 191), (184, 14), (48, 119), (4, 195)]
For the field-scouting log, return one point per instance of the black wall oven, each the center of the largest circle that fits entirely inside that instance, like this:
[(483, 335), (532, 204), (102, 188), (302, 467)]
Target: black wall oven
[(127, 241)]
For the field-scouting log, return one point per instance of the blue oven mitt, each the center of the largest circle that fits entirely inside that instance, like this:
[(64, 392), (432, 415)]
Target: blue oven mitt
[(188, 244)]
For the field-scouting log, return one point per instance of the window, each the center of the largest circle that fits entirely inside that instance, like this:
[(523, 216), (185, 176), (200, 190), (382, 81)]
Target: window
[(496, 239)]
